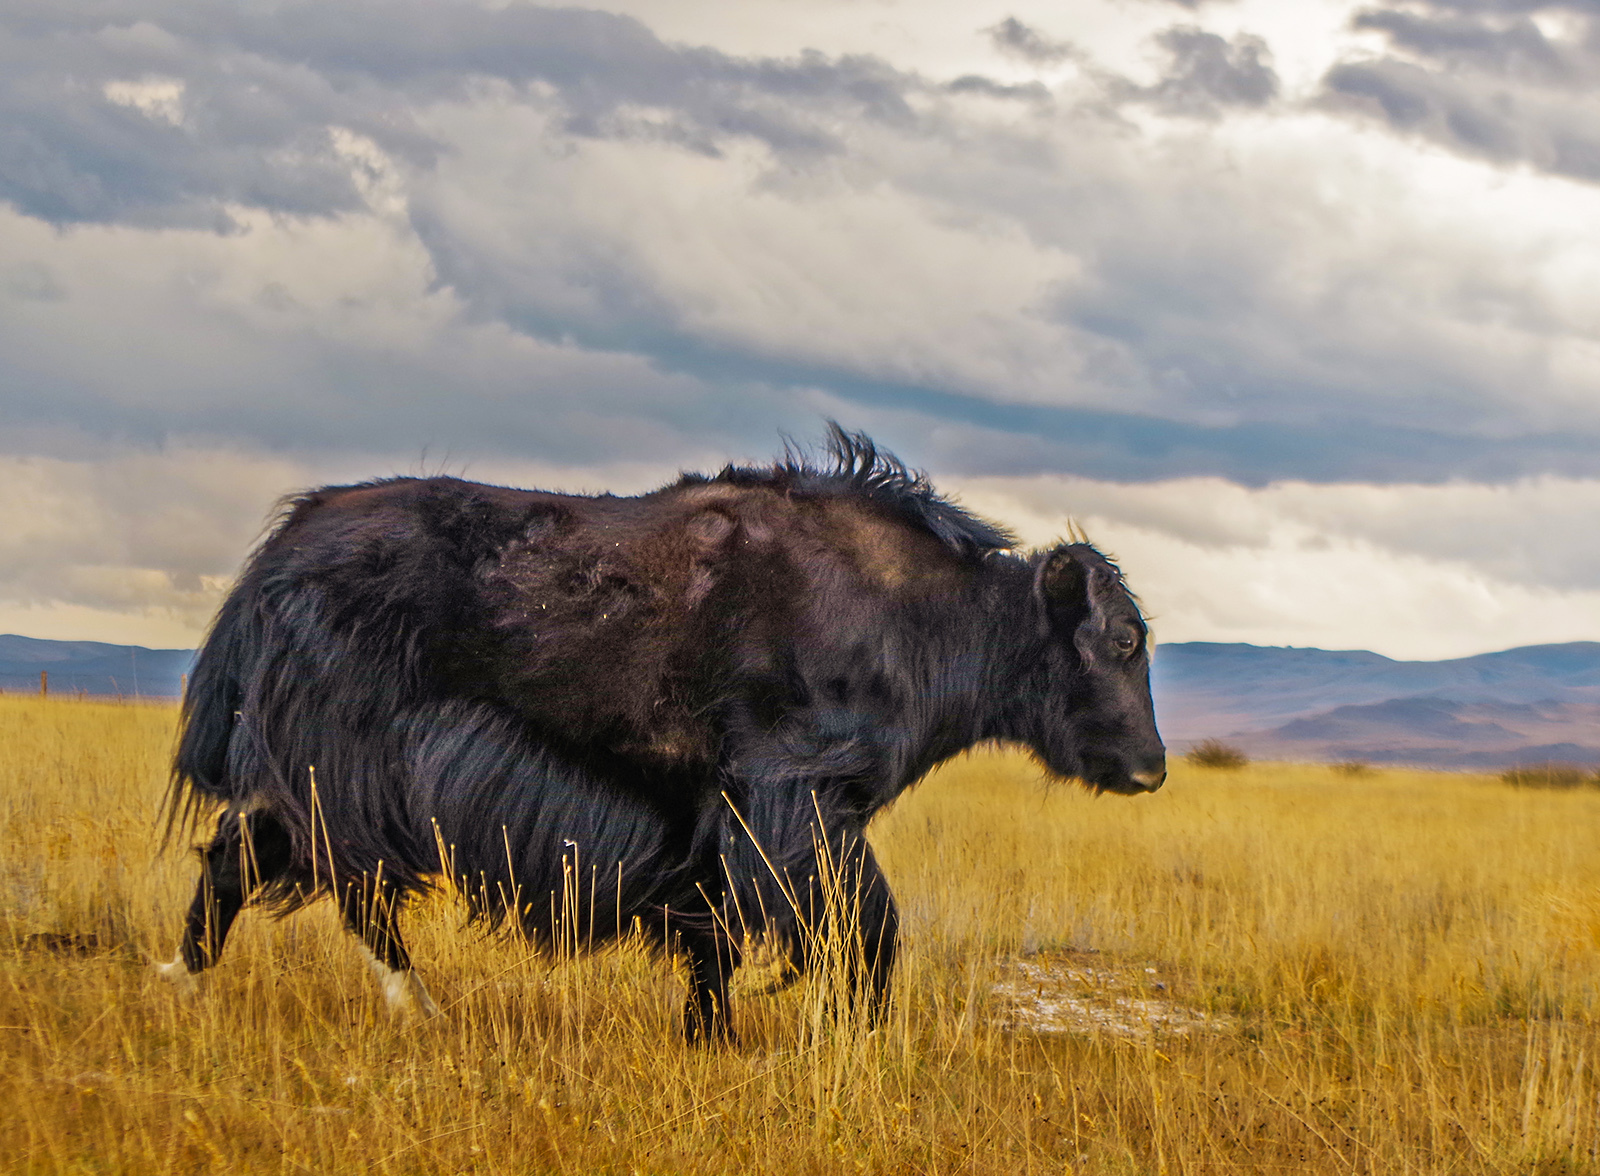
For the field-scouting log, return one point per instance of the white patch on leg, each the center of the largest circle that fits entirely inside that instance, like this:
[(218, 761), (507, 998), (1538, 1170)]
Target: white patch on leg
[(403, 991), (177, 974), (418, 995)]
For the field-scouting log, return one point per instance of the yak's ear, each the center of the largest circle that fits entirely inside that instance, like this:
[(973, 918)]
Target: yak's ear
[(1061, 588)]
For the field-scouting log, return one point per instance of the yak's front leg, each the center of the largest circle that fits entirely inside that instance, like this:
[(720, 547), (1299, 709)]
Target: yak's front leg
[(823, 888), (247, 852), (370, 912), (875, 934), (849, 921), (712, 957)]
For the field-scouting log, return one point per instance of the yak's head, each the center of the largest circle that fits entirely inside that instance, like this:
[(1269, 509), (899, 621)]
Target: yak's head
[(1084, 703)]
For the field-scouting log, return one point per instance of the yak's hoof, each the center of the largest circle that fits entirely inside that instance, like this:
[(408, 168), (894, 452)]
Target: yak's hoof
[(404, 994), (176, 973), (708, 1033)]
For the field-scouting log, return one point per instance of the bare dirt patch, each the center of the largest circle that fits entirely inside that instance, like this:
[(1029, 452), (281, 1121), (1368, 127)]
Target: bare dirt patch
[(1083, 994)]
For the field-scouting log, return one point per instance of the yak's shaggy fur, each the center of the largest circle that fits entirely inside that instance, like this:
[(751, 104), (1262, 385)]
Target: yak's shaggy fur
[(654, 710)]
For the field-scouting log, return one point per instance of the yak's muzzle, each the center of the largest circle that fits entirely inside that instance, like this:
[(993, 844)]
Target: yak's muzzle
[(1149, 781)]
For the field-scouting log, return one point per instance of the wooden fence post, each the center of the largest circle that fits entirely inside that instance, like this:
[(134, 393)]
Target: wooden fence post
[(44, 683)]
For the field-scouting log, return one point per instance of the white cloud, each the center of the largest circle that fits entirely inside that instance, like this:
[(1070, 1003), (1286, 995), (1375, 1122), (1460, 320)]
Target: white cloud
[(130, 546), (317, 337), (1409, 571), (58, 620), (140, 546), (1289, 268), (158, 98), (947, 38), (814, 269)]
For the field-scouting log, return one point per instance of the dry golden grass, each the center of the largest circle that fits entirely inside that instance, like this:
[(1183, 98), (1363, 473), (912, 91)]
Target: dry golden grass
[(1279, 969)]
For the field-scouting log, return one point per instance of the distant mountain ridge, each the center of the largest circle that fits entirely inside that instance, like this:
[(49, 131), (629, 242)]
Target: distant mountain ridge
[(92, 667), (1493, 710), (1525, 705)]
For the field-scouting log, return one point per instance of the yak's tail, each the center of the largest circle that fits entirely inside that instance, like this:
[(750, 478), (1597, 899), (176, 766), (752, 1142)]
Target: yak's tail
[(211, 706), (208, 768)]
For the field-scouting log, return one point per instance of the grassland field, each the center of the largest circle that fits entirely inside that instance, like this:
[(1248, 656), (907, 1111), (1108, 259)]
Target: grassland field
[(1273, 969)]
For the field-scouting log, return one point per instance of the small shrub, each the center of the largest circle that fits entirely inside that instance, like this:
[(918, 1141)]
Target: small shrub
[(1352, 768), (1213, 753), (1550, 775)]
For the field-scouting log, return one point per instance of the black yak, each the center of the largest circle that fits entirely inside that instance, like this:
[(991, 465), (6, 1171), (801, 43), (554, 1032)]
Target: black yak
[(669, 714)]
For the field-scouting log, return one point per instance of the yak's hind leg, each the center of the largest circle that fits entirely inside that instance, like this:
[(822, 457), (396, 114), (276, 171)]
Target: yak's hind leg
[(248, 851), (370, 910)]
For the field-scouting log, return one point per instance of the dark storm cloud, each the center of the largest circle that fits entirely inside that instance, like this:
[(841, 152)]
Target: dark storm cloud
[(1128, 447), (1463, 114), (597, 62), (1481, 77), (1203, 74), (977, 84), (1503, 7), (1207, 73), (1515, 48), (1016, 39), (320, 396), (461, 397), (253, 132), (262, 86)]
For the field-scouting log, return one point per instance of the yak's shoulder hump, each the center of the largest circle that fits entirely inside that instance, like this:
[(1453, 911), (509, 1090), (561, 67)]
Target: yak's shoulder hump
[(855, 469)]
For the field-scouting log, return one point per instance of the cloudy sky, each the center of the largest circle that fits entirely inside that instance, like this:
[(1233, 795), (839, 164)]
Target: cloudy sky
[(1294, 307)]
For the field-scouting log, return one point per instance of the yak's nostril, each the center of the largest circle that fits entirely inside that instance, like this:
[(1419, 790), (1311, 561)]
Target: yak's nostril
[(1150, 781)]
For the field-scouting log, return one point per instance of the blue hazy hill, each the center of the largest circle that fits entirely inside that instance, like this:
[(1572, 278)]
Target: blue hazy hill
[(1536, 702), (92, 667)]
